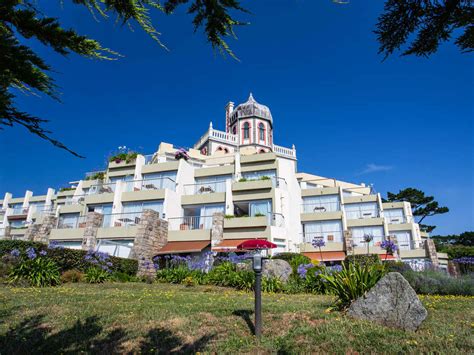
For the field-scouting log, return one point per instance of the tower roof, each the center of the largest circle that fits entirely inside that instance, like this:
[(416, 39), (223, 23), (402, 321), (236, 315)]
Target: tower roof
[(251, 108)]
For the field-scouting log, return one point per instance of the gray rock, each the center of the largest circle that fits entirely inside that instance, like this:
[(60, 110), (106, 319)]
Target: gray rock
[(391, 302), (271, 268)]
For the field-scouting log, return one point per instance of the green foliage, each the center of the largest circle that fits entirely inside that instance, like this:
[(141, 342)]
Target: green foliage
[(259, 215), (120, 276), (97, 176), (7, 263), (352, 282), (265, 177), (243, 179), (430, 282), (68, 259), (457, 251), (229, 216), (222, 275), (363, 259), (175, 275), (422, 206), (272, 284), (72, 276), (39, 272), (294, 259), (25, 70), (127, 157), (62, 189), (95, 275), (426, 24)]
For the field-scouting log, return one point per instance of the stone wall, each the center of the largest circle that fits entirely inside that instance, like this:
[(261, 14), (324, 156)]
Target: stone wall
[(217, 232), (348, 242), (431, 250), (7, 235), (32, 231), (152, 235), (89, 238)]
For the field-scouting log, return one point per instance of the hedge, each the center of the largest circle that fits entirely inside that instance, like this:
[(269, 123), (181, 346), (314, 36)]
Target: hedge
[(363, 259), (68, 259)]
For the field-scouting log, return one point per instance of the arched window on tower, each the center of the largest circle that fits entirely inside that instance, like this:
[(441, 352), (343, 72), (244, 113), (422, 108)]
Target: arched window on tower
[(246, 130), (261, 131)]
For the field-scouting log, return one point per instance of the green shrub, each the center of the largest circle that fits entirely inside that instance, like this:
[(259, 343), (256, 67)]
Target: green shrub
[(242, 280), (175, 275), (72, 276), (7, 263), (294, 259), (189, 281), (68, 259), (397, 266), (431, 282), (272, 284), (363, 259), (96, 275), (222, 275), (265, 177), (120, 276), (353, 281), (39, 272)]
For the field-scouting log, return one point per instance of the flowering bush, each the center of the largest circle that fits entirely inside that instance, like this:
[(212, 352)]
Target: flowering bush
[(95, 275), (318, 243), (34, 267), (389, 246), (466, 264)]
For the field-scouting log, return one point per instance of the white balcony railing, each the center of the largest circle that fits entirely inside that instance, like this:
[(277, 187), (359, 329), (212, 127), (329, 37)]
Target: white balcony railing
[(217, 135), (318, 207), (204, 188), (362, 214), (126, 219), (98, 189), (150, 184), (190, 223), (328, 237), (289, 152), (70, 223), (19, 210)]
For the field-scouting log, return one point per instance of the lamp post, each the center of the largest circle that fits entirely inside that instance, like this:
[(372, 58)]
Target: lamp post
[(257, 262)]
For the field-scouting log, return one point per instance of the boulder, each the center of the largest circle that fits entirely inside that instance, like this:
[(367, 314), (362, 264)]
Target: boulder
[(391, 302), (271, 268)]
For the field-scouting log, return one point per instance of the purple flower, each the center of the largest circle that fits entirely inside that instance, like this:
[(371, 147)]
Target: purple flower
[(43, 252), (31, 253), (302, 271), (368, 238), (15, 253), (318, 242), (468, 260), (389, 246)]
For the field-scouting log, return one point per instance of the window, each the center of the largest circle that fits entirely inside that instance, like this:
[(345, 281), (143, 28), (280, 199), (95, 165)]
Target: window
[(211, 184), (403, 239), (261, 131), (330, 231), (394, 216), (234, 130), (359, 232), (362, 210), (138, 207), (246, 130), (157, 181), (257, 175), (68, 220)]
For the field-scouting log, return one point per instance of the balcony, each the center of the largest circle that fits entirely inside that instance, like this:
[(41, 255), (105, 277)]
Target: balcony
[(126, 219), (100, 189), (19, 211), (328, 237), (205, 188), (150, 184), (363, 213), (218, 136), (258, 220), (286, 152), (190, 223), (71, 223), (399, 220), (320, 207)]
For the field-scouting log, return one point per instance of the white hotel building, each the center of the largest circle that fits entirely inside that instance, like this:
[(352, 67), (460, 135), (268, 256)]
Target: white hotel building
[(239, 172)]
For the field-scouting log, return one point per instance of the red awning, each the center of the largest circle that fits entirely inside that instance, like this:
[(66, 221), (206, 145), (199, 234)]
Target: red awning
[(253, 244), (327, 255), (184, 247), (387, 257)]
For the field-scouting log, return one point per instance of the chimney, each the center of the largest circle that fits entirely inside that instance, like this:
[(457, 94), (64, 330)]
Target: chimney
[(228, 110)]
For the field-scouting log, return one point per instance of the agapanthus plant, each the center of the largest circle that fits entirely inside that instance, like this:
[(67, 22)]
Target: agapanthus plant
[(99, 259), (389, 246), (319, 243), (367, 239)]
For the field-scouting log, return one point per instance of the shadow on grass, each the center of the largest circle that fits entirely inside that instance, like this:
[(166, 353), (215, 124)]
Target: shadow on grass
[(34, 336), (245, 315)]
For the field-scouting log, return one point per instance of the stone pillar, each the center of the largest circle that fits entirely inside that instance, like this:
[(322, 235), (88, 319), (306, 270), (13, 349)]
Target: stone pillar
[(152, 235), (49, 222), (432, 254), (7, 233), (93, 222), (32, 231), (348, 242), (217, 232)]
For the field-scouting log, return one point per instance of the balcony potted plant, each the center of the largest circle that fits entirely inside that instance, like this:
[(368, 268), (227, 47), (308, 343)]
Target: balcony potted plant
[(181, 153)]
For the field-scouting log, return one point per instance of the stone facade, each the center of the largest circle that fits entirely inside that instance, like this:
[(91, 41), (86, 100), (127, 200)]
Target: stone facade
[(32, 231), (49, 222), (348, 242), (93, 222), (217, 232), (432, 254), (152, 235), (7, 233)]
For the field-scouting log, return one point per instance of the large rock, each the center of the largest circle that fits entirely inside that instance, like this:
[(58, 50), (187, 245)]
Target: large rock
[(271, 268), (391, 302)]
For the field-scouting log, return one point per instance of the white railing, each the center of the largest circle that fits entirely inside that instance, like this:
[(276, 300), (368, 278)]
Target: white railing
[(289, 152), (79, 222), (43, 208), (399, 219), (127, 219), (20, 210), (150, 184), (217, 135), (361, 243), (98, 189), (317, 207), (190, 223), (328, 237), (74, 200), (204, 188)]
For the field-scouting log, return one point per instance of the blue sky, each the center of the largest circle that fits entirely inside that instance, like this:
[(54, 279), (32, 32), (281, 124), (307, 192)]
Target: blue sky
[(404, 122)]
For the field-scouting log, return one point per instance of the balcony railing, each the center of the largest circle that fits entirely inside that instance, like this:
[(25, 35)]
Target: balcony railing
[(126, 219), (74, 200), (204, 188), (216, 135), (362, 214), (328, 237), (361, 243), (113, 248), (20, 210), (99, 189), (289, 152), (190, 222), (399, 219), (43, 208), (150, 184), (318, 207), (78, 222), (20, 225)]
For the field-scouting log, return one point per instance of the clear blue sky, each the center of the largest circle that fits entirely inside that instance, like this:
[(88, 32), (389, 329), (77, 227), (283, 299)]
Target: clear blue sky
[(405, 122)]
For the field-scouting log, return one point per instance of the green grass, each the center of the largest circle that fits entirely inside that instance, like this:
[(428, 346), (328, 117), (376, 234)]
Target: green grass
[(159, 318)]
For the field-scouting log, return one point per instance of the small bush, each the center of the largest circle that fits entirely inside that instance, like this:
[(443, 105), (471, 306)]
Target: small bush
[(294, 259), (353, 281), (96, 275), (431, 282), (272, 284), (38, 271), (72, 276), (7, 263), (363, 259), (175, 275), (119, 276), (189, 281), (397, 266)]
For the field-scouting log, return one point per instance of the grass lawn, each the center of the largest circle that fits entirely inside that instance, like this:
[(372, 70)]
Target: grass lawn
[(137, 317)]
